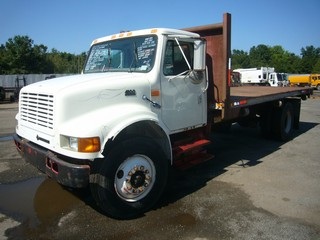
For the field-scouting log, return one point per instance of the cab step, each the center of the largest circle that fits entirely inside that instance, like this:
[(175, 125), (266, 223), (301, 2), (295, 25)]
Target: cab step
[(190, 154)]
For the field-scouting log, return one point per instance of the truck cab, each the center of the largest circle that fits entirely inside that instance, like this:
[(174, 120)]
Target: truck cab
[(278, 79), (315, 80), (137, 90), (165, 59)]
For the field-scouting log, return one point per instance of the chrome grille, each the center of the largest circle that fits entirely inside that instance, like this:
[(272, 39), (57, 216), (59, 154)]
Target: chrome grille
[(37, 109)]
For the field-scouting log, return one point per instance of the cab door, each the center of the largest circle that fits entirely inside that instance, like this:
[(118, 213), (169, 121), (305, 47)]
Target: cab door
[(184, 97)]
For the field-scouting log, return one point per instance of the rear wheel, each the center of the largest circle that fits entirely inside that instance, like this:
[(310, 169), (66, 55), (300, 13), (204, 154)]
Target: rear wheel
[(283, 120), (278, 123), (130, 179)]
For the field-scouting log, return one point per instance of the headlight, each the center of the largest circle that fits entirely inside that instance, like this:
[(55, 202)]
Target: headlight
[(85, 145)]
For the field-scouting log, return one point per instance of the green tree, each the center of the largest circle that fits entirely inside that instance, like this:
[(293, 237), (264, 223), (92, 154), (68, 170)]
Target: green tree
[(293, 63), (260, 56), (284, 61), (266, 56), (310, 56), (3, 61), (63, 62), (240, 59), (316, 67), (20, 56)]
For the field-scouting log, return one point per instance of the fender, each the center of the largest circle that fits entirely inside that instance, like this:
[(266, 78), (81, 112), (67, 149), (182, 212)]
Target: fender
[(109, 122), (136, 120)]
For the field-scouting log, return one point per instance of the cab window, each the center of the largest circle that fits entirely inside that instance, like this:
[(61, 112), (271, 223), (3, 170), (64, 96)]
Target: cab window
[(174, 62)]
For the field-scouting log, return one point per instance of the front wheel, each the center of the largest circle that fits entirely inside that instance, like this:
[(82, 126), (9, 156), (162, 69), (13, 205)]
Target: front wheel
[(130, 179)]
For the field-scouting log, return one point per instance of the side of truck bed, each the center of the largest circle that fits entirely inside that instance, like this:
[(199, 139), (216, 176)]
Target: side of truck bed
[(251, 95)]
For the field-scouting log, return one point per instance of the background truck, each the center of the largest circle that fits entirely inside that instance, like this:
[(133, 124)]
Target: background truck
[(315, 80), (254, 76), (302, 80), (264, 76), (146, 103), (278, 79)]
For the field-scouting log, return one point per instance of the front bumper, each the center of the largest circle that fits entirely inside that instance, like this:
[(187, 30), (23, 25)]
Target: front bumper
[(65, 172)]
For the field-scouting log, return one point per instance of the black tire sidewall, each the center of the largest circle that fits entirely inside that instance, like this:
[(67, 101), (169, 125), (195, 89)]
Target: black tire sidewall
[(280, 122), (107, 198)]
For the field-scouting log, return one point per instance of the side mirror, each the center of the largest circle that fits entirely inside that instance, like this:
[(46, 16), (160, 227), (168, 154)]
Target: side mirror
[(199, 60)]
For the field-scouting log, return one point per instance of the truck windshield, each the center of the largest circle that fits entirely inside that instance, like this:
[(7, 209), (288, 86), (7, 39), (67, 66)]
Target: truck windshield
[(133, 54)]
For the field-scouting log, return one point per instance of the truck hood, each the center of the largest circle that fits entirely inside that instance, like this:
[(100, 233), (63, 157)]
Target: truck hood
[(68, 100), (55, 85)]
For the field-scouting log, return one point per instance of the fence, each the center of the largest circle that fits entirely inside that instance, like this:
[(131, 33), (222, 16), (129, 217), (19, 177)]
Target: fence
[(9, 81)]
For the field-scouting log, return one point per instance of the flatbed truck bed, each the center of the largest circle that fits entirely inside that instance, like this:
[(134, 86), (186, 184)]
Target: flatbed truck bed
[(251, 95)]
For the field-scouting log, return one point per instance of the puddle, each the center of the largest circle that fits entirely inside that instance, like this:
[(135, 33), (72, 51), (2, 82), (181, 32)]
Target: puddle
[(36, 201), (17, 199), (6, 138)]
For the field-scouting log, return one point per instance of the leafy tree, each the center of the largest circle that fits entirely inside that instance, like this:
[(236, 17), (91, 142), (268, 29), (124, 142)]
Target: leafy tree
[(292, 64), (260, 56), (316, 67), (66, 62), (20, 56), (279, 58), (310, 56), (3, 60), (284, 61), (240, 59)]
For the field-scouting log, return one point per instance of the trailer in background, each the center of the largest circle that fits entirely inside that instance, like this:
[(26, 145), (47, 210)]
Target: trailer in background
[(11, 94)]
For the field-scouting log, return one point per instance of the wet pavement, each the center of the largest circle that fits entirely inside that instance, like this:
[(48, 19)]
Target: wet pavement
[(252, 189)]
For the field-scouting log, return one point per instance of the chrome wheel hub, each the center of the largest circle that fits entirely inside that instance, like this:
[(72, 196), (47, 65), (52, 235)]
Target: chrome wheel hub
[(135, 178)]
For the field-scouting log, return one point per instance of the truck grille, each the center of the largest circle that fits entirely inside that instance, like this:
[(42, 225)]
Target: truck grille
[(37, 109)]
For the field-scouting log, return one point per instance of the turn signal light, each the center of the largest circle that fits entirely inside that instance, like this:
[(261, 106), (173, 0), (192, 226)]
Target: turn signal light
[(89, 144)]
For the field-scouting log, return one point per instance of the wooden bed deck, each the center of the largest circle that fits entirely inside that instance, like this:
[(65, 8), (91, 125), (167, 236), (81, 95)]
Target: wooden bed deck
[(250, 95)]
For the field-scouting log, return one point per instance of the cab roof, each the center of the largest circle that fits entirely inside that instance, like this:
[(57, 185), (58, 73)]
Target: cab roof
[(157, 31)]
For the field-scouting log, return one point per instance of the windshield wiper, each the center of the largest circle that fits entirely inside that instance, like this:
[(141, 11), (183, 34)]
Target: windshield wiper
[(135, 59)]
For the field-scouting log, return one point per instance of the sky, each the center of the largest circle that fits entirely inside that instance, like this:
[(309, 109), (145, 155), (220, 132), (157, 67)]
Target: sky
[(71, 25)]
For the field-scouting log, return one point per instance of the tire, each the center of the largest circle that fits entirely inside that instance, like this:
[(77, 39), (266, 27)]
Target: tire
[(131, 178), (2, 94), (283, 120)]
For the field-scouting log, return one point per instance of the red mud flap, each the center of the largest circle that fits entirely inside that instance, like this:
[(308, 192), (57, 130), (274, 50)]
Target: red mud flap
[(65, 173)]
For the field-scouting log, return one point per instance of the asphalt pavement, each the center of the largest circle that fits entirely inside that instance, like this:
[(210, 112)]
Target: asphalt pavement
[(252, 189)]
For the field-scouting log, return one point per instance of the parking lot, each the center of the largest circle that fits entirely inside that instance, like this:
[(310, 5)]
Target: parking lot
[(252, 189)]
